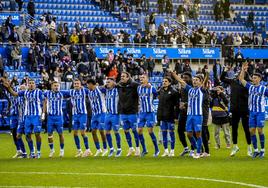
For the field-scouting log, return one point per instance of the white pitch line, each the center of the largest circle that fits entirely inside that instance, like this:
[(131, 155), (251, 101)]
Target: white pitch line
[(140, 175)]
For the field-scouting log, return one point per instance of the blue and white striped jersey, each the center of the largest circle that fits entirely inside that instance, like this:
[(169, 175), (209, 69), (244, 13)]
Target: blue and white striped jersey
[(54, 103), (21, 108), (78, 99), (256, 98), (33, 102), (112, 98), (146, 98), (97, 100), (195, 100), (14, 108)]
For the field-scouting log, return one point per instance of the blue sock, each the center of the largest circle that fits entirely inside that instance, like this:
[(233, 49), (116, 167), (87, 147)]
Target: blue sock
[(109, 140), (97, 145), (254, 141), (30, 144), (118, 140), (136, 137), (165, 139), (141, 137), (38, 146), (262, 140), (104, 143), (128, 137), (85, 138), (154, 141), (51, 146), (193, 142), (172, 139), (199, 145), (61, 145), (21, 145), (77, 142)]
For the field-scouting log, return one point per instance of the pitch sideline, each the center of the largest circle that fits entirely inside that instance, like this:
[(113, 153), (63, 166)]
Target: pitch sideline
[(133, 175)]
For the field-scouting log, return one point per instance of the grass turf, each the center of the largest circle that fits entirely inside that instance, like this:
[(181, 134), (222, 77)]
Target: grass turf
[(220, 165)]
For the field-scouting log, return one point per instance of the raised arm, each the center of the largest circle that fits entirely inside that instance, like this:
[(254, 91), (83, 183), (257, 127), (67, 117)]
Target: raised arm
[(205, 83), (242, 74), (178, 78), (6, 83)]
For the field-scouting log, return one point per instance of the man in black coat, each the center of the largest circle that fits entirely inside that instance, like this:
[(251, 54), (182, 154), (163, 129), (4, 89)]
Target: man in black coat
[(128, 109), (239, 110), (168, 99), (31, 8)]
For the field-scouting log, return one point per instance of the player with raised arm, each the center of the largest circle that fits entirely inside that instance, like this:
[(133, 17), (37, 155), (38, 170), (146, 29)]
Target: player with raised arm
[(52, 106), (97, 101), (147, 93), (14, 122), (21, 120), (194, 111), (33, 101), (112, 119), (256, 102)]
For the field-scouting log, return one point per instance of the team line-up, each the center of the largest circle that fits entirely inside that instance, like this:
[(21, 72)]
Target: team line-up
[(128, 102)]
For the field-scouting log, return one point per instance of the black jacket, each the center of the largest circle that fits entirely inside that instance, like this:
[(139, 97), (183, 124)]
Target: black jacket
[(168, 99), (128, 97), (239, 94)]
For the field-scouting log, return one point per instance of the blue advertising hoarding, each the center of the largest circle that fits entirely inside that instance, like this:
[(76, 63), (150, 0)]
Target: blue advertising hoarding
[(15, 17), (158, 53), (261, 53)]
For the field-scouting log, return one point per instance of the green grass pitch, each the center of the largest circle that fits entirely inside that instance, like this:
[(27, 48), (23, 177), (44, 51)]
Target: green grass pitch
[(219, 170)]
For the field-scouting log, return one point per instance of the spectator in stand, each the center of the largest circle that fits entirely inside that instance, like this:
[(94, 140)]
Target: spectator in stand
[(181, 17), (214, 40), (44, 75), (110, 56), (165, 63), (113, 73), (138, 38), (31, 8), (226, 9), (14, 37), (169, 7), (74, 37), (57, 75), (16, 56), (12, 5), (78, 26), (239, 57), (178, 67), (237, 40), (146, 5), (161, 4), (14, 82), (1, 6), (258, 40), (26, 36), (218, 11), (20, 3), (64, 39), (217, 71), (151, 65), (52, 36), (250, 20), (187, 67)]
